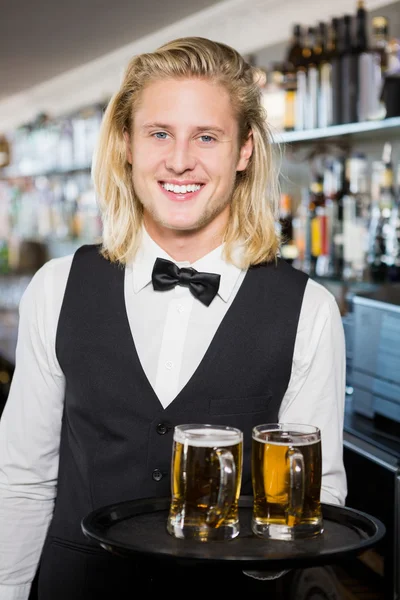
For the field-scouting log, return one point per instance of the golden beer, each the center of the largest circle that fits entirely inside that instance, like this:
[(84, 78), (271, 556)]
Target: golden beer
[(286, 476), (205, 482)]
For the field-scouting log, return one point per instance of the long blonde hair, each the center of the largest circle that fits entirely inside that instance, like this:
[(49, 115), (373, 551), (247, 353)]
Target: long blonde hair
[(254, 205)]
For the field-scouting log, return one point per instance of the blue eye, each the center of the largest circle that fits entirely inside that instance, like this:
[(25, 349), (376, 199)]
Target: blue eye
[(207, 138), (160, 135)]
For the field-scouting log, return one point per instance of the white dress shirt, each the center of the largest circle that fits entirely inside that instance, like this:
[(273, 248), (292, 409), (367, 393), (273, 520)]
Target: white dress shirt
[(172, 331)]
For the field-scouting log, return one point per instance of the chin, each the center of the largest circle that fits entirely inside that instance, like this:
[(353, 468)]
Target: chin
[(181, 224)]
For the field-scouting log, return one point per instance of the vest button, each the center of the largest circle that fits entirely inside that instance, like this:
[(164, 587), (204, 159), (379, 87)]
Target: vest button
[(162, 428), (157, 475)]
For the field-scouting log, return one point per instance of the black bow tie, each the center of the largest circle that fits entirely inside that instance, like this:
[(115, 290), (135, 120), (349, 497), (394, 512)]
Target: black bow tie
[(167, 275)]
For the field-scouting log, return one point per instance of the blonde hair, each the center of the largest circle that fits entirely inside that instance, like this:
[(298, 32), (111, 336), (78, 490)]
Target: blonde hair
[(254, 205)]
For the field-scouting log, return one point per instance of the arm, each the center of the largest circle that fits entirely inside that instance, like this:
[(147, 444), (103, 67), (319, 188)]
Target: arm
[(29, 440), (316, 391)]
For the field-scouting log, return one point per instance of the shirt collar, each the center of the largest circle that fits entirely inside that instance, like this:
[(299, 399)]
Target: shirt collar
[(213, 262)]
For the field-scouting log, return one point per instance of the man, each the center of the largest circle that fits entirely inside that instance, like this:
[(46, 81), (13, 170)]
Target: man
[(112, 353)]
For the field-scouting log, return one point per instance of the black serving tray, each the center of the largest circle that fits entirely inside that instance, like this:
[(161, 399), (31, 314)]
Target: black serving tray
[(137, 528)]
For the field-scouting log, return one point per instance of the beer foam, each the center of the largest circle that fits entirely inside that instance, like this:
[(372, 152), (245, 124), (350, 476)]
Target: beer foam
[(209, 437), (288, 442)]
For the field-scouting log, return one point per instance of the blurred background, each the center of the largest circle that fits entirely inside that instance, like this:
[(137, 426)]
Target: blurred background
[(331, 88)]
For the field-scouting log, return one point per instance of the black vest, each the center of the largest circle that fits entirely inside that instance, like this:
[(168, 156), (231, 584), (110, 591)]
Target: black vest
[(116, 437)]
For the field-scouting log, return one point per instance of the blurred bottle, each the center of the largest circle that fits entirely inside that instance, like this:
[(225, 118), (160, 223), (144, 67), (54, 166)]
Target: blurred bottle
[(325, 91), (366, 88), (336, 49), (356, 214), (288, 248), (294, 52), (380, 40), (394, 235), (273, 97), (290, 90), (375, 213), (301, 101), (393, 52), (307, 84), (335, 188), (301, 233), (391, 82), (381, 242), (369, 104), (349, 68), (318, 229), (312, 54)]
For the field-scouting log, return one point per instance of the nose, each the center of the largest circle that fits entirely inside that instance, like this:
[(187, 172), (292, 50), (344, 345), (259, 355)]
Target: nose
[(180, 157)]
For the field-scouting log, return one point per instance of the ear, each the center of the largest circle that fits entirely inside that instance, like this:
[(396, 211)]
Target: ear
[(128, 149), (245, 153)]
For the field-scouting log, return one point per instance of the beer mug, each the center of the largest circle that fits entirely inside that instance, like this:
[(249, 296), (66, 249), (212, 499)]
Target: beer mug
[(206, 474), (286, 476)]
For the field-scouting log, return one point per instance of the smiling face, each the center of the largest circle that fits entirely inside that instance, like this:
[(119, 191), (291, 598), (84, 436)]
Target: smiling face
[(185, 153)]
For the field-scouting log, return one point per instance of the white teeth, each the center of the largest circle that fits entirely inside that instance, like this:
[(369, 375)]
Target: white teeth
[(181, 189)]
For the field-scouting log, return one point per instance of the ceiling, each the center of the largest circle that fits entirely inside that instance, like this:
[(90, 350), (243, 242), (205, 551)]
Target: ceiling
[(40, 39)]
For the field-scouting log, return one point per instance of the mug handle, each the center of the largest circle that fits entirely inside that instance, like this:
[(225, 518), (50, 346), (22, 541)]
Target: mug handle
[(226, 490), (295, 504)]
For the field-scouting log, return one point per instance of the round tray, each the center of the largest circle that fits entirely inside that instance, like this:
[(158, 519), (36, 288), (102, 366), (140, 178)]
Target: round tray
[(138, 528)]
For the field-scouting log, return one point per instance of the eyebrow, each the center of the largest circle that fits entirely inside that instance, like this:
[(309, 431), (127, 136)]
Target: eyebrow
[(197, 129)]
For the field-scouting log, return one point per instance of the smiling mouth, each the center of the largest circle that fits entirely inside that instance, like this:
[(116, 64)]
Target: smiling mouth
[(183, 190)]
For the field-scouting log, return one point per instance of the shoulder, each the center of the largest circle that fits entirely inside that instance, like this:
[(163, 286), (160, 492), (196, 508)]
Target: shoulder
[(319, 309), (318, 298), (48, 284), (54, 271)]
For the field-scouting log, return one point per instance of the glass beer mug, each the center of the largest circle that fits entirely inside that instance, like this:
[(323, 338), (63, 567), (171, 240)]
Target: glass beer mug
[(206, 474), (286, 476)]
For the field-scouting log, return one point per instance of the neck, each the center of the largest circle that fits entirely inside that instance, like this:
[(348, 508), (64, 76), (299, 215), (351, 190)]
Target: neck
[(186, 245)]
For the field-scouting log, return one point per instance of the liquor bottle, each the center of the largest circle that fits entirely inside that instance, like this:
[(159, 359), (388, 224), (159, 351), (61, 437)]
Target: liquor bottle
[(380, 234), (320, 42), (369, 104), (356, 204), (336, 49), (318, 225), (273, 97), (322, 210), (288, 248), (394, 228), (380, 63), (285, 218), (361, 43), (349, 67), (312, 53), (290, 91), (325, 91), (294, 53), (377, 168), (366, 83), (380, 40), (301, 102), (301, 233), (335, 190), (307, 85)]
